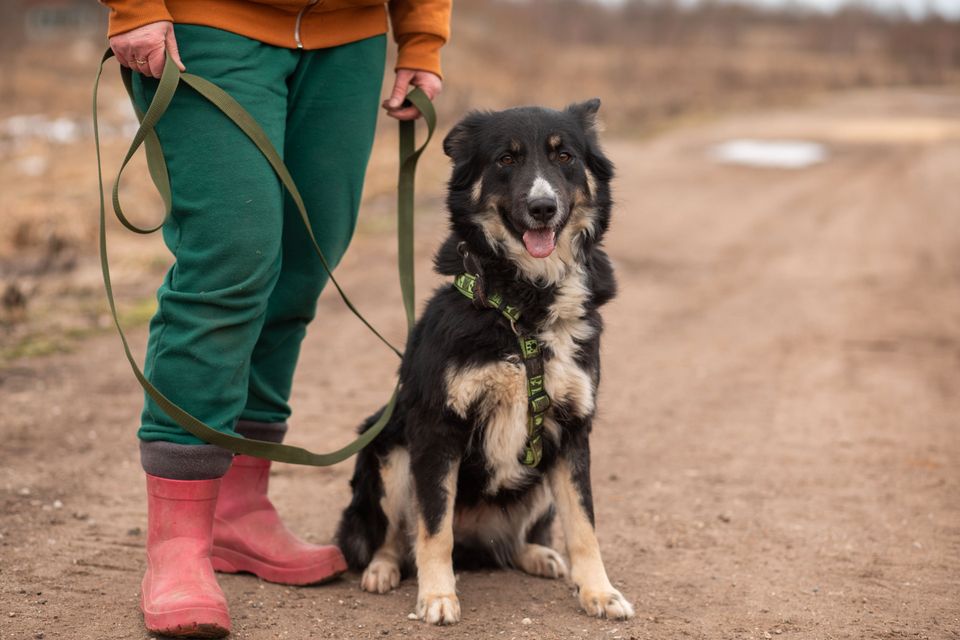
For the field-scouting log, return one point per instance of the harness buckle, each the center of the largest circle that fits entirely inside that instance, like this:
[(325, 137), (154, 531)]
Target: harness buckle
[(539, 404)]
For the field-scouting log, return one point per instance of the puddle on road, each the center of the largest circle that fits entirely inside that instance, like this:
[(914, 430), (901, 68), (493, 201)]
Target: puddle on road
[(777, 154)]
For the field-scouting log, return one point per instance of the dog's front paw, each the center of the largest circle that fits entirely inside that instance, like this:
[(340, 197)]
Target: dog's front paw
[(380, 576), (605, 603), (439, 608)]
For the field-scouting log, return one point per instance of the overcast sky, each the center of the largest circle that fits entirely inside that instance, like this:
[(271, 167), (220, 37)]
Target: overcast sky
[(915, 8)]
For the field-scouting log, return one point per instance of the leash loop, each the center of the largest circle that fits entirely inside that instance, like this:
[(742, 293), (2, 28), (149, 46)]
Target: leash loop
[(146, 135)]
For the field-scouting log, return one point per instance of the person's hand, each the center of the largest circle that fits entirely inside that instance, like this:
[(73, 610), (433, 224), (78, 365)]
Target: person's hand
[(144, 49), (431, 84)]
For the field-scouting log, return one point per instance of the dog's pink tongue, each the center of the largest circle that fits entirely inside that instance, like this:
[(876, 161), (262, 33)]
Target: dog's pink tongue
[(539, 242)]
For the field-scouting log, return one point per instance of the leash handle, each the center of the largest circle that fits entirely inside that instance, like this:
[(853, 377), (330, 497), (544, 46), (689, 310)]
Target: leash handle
[(146, 134)]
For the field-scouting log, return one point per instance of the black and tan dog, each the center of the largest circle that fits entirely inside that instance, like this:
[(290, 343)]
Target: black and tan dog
[(475, 463)]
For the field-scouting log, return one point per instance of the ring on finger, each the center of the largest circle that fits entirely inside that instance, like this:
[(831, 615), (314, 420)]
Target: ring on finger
[(140, 61)]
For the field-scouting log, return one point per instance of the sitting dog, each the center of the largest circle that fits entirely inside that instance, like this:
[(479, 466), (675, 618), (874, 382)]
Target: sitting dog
[(499, 380)]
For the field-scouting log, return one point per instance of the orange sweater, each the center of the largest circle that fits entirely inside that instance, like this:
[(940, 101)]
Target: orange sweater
[(420, 27)]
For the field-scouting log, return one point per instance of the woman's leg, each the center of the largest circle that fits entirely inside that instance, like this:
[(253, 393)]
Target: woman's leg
[(225, 233), (330, 122), (333, 104)]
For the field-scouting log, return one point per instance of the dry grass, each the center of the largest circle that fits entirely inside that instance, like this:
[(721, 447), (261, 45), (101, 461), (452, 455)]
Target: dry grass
[(654, 62)]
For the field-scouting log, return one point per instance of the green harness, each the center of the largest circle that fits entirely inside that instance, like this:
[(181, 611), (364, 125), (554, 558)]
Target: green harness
[(530, 350)]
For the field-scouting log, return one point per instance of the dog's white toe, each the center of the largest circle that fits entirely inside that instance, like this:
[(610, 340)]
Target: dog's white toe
[(439, 608), (538, 560), (380, 576), (605, 603)]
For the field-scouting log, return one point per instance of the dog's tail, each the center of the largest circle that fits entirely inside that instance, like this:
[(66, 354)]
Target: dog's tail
[(363, 525)]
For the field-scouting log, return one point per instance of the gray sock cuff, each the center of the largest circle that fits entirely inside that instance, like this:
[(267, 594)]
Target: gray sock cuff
[(268, 431), (184, 461)]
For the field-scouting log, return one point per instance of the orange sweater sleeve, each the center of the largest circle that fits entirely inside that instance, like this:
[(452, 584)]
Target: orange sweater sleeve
[(126, 15), (420, 28)]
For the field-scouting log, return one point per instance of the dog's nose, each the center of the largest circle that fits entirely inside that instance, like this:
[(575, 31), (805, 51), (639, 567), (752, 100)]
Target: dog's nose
[(542, 209)]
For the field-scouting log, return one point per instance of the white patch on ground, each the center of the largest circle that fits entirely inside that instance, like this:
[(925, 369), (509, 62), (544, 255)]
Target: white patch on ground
[(777, 154), (33, 166), (60, 130)]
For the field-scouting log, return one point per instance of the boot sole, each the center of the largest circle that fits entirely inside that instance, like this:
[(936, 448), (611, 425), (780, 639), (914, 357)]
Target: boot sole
[(183, 623), (229, 561)]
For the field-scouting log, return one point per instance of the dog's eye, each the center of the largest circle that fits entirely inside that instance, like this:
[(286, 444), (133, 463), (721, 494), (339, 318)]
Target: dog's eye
[(506, 159), (564, 157)]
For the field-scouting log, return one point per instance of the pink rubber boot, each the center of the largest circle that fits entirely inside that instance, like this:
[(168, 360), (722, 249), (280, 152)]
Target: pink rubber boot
[(180, 596), (249, 536)]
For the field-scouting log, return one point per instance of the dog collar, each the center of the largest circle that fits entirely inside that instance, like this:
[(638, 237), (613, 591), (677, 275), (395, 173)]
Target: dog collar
[(532, 353)]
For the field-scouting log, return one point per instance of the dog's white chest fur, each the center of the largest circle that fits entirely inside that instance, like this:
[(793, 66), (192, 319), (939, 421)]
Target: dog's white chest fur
[(498, 390)]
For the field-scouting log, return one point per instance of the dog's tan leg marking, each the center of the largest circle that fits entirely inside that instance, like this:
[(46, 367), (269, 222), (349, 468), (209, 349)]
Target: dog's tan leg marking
[(597, 596), (437, 601), (383, 572), (538, 560)]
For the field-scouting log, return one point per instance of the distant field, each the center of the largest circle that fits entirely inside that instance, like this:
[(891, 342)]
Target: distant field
[(655, 65)]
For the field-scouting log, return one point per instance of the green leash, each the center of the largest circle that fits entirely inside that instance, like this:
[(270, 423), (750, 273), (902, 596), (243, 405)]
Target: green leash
[(146, 134)]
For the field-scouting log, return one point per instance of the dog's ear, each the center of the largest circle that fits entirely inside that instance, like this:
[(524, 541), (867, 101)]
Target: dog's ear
[(586, 114), (459, 142), (455, 141)]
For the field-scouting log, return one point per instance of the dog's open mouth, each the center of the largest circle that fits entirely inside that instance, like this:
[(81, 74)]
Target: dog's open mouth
[(541, 242)]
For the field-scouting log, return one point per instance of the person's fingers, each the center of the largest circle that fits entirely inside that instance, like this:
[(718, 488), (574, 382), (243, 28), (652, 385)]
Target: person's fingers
[(121, 49), (143, 48), (400, 86), (407, 113), (135, 56), (430, 83), (122, 59), (155, 61), (433, 87), (171, 42)]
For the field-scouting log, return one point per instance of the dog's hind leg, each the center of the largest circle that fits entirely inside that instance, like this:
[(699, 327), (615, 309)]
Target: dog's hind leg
[(570, 483), (538, 560), (383, 572), (363, 524), (534, 555)]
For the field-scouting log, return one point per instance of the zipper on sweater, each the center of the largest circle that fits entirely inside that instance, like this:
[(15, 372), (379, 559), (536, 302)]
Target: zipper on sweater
[(296, 29)]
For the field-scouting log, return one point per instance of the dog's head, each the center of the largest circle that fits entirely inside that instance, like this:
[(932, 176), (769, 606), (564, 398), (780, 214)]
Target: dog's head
[(530, 184)]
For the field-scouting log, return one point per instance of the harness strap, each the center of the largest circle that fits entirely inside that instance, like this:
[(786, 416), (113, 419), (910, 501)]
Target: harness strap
[(169, 82), (538, 401), (466, 283)]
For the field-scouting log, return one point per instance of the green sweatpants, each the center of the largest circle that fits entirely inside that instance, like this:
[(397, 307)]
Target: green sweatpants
[(234, 306)]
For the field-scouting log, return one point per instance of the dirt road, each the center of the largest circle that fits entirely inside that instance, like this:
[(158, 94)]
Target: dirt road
[(779, 430)]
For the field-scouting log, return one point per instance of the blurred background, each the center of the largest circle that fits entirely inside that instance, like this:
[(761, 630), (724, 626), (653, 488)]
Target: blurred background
[(777, 441), (657, 64)]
